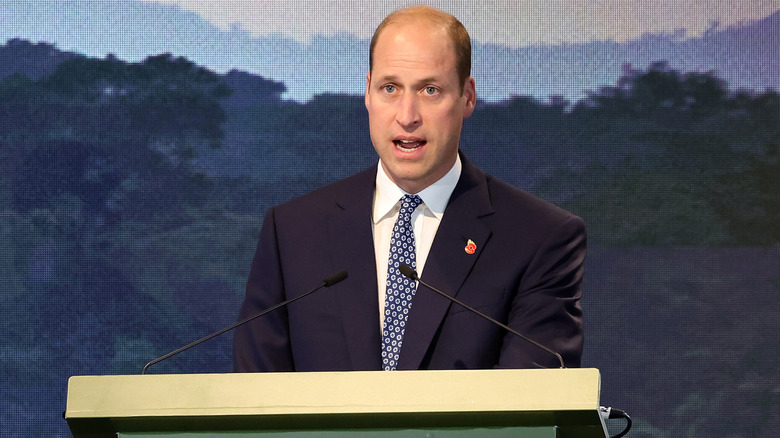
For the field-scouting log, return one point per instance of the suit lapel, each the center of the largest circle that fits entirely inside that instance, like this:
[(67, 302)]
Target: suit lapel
[(351, 231), (448, 264)]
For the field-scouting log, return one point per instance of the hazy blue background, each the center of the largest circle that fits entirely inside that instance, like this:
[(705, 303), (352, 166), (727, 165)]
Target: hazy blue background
[(132, 185)]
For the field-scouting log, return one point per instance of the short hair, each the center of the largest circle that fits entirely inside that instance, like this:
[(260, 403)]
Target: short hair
[(459, 36)]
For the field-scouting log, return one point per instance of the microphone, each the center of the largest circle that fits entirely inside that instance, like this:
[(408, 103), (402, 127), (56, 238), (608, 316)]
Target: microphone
[(412, 274), (328, 282)]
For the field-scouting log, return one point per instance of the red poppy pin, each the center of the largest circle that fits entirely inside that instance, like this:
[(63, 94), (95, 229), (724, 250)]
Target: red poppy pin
[(471, 247)]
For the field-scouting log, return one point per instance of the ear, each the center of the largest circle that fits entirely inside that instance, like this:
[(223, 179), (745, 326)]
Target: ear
[(470, 96), (368, 87)]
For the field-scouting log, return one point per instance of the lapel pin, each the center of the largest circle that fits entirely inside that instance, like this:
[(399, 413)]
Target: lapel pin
[(471, 247)]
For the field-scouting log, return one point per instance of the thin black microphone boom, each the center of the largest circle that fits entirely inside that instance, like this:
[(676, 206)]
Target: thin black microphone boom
[(412, 274), (328, 282)]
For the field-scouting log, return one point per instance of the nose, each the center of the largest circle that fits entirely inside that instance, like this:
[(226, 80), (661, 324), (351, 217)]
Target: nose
[(408, 114)]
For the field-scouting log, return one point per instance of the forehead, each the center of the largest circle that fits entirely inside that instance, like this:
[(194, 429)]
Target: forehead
[(415, 45)]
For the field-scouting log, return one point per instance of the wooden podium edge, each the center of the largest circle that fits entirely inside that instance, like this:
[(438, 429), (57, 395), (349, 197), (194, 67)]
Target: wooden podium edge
[(566, 398)]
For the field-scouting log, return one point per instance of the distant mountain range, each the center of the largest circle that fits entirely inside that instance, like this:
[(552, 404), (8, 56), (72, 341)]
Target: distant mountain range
[(746, 56), (32, 60)]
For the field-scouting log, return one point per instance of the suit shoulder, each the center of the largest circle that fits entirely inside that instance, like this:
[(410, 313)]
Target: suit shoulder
[(354, 187), (508, 199)]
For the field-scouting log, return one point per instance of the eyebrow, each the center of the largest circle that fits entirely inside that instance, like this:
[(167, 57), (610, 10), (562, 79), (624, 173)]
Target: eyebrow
[(395, 79)]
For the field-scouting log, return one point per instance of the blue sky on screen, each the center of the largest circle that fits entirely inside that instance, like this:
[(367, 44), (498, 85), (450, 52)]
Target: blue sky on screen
[(528, 47), (512, 23)]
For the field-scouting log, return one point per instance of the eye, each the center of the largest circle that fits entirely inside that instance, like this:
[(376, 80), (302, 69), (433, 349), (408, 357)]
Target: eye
[(430, 91), (390, 89)]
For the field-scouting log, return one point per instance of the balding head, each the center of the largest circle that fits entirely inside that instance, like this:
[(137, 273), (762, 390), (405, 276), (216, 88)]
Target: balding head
[(432, 18)]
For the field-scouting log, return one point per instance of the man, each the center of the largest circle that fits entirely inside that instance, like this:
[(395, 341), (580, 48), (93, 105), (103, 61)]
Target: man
[(496, 248)]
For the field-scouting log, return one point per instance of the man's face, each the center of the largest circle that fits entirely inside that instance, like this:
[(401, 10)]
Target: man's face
[(415, 105)]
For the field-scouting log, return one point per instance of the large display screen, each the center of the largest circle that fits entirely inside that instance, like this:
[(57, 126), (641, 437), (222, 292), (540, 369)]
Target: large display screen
[(141, 143)]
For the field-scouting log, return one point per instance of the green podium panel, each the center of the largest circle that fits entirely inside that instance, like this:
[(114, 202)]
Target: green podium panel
[(492, 403)]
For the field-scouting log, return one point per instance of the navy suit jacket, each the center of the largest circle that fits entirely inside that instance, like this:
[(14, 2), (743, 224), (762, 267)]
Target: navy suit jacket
[(526, 272)]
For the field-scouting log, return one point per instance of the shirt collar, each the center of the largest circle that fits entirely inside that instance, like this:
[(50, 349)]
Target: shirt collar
[(435, 197)]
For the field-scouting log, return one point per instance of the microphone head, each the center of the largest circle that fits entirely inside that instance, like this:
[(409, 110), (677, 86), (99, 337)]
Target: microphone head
[(335, 278), (408, 271)]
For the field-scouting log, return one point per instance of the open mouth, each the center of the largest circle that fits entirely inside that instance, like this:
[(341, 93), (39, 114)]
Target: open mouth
[(409, 145)]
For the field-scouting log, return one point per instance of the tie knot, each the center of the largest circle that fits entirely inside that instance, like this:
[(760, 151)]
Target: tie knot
[(409, 203)]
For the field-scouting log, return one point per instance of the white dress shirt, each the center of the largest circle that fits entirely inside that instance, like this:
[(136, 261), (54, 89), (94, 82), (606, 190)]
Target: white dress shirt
[(425, 220)]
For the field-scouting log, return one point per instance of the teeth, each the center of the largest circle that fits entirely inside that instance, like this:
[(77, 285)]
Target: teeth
[(408, 144)]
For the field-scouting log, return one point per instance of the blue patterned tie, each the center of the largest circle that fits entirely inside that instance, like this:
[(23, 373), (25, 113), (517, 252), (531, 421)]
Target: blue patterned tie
[(400, 290)]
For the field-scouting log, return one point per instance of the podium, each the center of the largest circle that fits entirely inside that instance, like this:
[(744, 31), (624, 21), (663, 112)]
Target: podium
[(463, 403)]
